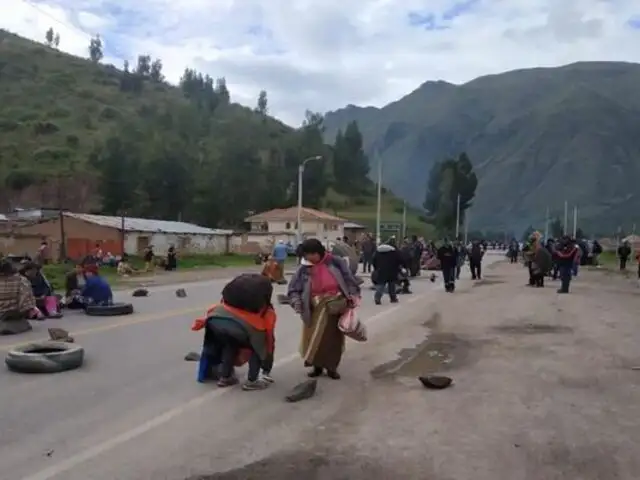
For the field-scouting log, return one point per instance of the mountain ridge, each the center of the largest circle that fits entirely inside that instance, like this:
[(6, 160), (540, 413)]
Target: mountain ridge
[(562, 133)]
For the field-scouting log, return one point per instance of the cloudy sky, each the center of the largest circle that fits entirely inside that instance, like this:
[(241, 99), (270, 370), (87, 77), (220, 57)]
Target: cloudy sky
[(324, 54)]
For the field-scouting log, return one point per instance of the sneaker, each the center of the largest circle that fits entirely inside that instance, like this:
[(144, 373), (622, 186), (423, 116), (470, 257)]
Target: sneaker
[(227, 382), (259, 384), (267, 377)]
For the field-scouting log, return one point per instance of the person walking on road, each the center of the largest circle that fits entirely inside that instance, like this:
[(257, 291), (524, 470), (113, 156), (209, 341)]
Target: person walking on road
[(624, 252), (322, 289), (448, 256), (387, 263), (279, 255), (476, 253), (368, 250), (514, 251), (462, 256), (565, 256)]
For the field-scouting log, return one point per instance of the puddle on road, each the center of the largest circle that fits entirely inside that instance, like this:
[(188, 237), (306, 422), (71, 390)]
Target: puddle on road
[(439, 351)]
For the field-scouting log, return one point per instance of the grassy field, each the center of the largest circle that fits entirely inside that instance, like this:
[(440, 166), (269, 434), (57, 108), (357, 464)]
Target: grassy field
[(56, 273), (363, 210)]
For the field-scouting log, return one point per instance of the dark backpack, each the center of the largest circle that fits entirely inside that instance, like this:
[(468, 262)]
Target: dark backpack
[(249, 292)]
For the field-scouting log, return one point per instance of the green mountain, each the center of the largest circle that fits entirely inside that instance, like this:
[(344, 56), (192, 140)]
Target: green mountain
[(537, 138), (78, 134)]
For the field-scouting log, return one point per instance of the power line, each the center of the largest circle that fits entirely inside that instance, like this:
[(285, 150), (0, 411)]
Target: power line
[(35, 6)]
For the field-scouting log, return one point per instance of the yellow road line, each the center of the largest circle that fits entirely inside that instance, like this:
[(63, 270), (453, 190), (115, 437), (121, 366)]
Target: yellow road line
[(144, 318)]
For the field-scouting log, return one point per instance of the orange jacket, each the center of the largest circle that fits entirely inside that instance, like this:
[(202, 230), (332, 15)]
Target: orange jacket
[(265, 322)]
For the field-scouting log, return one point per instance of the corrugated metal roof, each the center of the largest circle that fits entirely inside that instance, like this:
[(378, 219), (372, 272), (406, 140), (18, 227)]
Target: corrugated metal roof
[(148, 225)]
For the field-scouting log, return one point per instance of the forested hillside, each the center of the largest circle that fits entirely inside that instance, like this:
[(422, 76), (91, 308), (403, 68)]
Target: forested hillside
[(91, 137)]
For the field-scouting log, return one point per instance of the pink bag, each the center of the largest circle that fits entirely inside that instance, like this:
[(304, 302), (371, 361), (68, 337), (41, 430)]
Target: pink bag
[(51, 305), (351, 326)]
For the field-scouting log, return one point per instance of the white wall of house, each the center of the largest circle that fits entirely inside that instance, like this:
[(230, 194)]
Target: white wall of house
[(191, 244), (255, 242), (310, 228)]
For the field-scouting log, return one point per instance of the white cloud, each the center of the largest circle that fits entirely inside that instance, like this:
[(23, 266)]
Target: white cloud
[(322, 55)]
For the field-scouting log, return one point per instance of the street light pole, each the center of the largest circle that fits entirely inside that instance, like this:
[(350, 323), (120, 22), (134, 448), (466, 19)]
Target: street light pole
[(546, 225), (379, 200), (300, 177), (458, 218)]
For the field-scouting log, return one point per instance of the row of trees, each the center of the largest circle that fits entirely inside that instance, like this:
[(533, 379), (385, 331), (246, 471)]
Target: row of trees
[(212, 162), (452, 184), (186, 163), (52, 38)]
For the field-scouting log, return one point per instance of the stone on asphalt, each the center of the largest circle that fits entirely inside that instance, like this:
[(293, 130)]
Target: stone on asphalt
[(302, 391), (192, 357)]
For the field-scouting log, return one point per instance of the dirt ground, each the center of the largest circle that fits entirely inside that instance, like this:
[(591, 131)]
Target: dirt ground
[(545, 389)]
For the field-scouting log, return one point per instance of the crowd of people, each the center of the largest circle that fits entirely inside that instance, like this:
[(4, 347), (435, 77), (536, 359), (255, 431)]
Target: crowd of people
[(323, 290), (561, 258), (26, 293)]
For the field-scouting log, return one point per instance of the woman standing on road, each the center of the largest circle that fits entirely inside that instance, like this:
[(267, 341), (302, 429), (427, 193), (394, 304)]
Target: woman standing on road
[(321, 290)]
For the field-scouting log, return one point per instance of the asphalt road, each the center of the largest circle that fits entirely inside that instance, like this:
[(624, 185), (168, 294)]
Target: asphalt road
[(134, 410)]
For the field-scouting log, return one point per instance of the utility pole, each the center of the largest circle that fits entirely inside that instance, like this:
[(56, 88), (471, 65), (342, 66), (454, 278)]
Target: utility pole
[(565, 229), (458, 217), (299, 231), (575, 221), (379, 200), (546, 225), (404, 219), (122, 232), (466, 227), (63, 236)]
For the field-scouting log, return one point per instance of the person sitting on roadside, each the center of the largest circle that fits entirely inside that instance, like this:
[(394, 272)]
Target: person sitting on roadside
[(109, 260), (96, 290), (46, 301), (240, 329), (124, 267), (16, 297), (74, 283)]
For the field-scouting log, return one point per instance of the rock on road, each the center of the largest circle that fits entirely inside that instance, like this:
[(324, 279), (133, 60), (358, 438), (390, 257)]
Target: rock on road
[(135, 411)]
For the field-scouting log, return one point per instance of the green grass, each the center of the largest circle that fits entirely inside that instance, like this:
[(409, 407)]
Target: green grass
[(363, 210), (608, 259), (56, 273)]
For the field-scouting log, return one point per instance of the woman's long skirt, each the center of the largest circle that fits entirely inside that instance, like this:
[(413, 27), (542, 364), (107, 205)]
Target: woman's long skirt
[(322, 342)]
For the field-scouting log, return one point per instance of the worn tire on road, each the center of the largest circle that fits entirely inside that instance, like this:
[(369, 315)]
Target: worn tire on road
[(45, 357), (109, 310)]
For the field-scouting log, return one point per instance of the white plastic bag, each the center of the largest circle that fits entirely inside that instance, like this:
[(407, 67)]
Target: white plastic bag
[(351, 326)]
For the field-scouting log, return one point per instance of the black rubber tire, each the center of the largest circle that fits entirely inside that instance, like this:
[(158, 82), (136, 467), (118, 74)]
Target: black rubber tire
[(109, 310), (68, 356)]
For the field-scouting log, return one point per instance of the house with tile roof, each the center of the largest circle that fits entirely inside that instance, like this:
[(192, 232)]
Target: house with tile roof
[(283, 224)]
